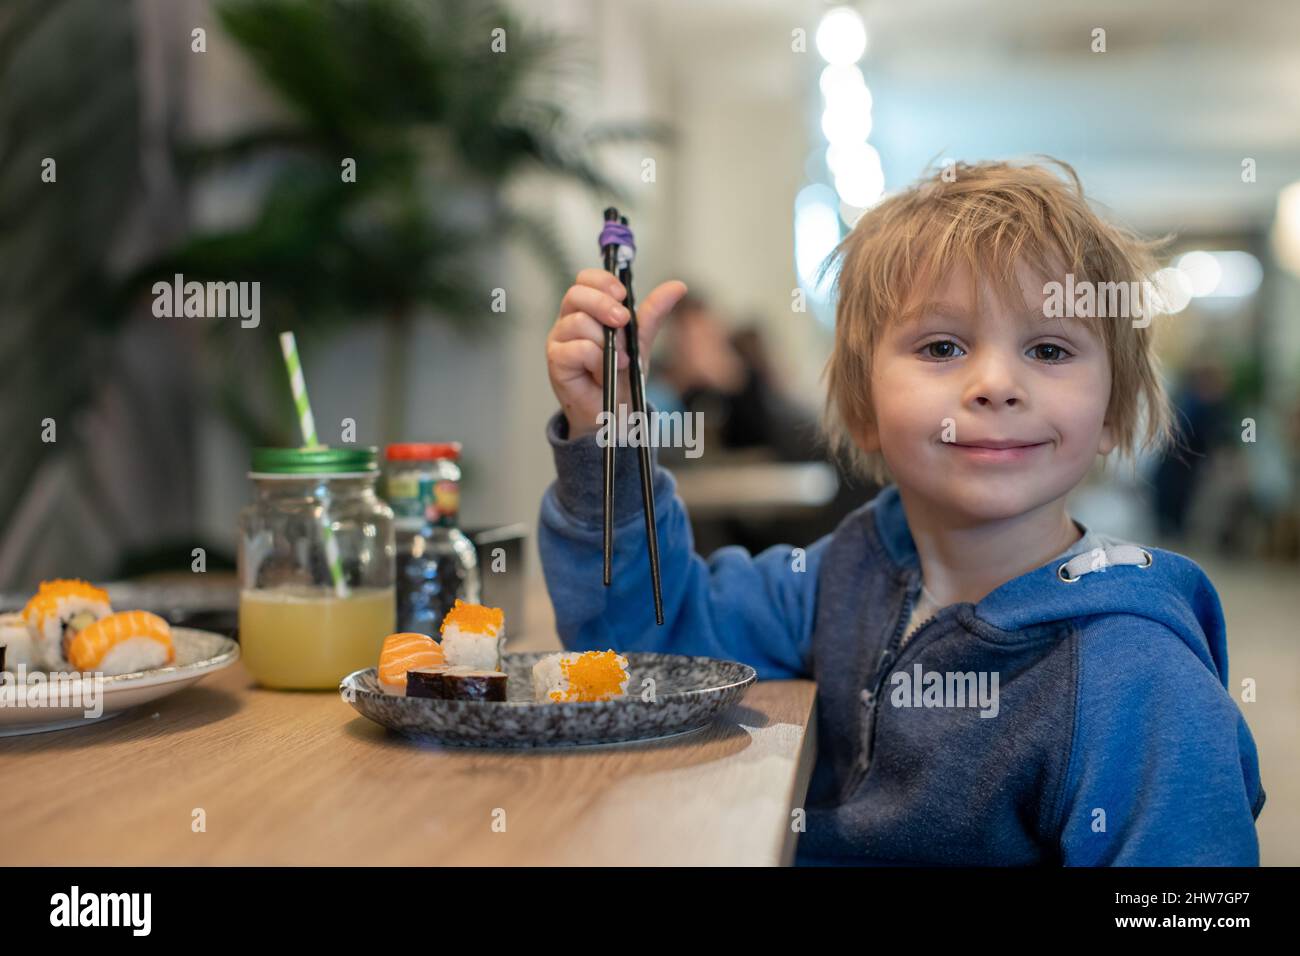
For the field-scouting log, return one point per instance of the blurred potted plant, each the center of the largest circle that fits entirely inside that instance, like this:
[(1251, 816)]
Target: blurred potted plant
[(436, 105), (436, 116)]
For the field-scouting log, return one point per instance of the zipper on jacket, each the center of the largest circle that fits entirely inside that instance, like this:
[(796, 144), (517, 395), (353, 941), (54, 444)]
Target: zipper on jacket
[(907, 638), (895, 662), (869, 697)]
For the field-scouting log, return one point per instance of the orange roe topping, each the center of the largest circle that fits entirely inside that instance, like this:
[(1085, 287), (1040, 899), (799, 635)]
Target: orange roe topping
[(474, 618), (45, 603), (595, 675)]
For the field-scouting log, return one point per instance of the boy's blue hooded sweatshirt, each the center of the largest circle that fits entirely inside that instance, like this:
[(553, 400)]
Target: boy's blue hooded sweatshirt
[(1112, 738)]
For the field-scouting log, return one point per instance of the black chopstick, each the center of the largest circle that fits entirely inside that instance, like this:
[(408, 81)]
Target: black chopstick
[(637, 383), (610, 397)]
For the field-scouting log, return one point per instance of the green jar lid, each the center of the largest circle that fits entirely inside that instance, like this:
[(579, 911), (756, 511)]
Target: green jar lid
[(314, 461)]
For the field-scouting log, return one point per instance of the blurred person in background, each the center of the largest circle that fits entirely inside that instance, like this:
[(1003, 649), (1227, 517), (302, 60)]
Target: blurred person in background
[(1286, 534), (748, 413), (1202, 422), (730, 380), (1256, 478)]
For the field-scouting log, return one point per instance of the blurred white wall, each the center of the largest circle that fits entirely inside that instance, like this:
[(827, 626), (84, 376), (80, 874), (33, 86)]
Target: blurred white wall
[(716, 214), (1157, 126)]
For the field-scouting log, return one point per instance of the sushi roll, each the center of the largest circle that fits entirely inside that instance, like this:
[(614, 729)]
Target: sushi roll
[(407, 652), (54, 616), (473, 636), (425, 682), (580, 677), (123, 643), (456, 683), (17, 643)]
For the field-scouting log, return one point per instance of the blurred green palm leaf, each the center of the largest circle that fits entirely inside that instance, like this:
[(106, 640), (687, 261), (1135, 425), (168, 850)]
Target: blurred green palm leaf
[(436, 120)]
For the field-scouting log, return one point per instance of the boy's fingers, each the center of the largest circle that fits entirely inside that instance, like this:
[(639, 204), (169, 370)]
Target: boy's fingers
[(603, 280), (574, 359), (579, 358), (650, 312), (578, 325), (595, 303)]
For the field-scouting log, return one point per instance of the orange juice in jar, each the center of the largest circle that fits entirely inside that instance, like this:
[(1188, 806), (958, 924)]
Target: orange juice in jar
[(316, 559)]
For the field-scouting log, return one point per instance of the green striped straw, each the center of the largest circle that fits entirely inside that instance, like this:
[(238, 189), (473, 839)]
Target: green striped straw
[(298, 385)]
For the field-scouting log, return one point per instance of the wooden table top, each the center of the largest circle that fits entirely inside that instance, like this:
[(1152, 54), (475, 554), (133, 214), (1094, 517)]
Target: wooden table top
[(302, 778)]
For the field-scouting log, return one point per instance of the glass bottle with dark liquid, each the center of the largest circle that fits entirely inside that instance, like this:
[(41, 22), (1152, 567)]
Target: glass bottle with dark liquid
[(436, 561)]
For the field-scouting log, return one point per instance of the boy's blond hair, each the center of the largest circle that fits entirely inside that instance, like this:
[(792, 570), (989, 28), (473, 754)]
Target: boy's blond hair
[(985, 217)]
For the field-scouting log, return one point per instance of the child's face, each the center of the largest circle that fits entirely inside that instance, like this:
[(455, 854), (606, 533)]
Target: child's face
[(992, 415)]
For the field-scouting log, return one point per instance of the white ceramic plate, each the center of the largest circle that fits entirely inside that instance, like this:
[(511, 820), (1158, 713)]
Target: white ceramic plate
[(64, 705)]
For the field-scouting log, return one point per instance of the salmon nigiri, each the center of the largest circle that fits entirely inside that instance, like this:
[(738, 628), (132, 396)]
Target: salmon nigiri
[(123, 643), (407, 652)]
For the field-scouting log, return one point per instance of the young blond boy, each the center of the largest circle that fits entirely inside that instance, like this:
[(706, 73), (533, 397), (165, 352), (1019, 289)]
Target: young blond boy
[(996, 683)]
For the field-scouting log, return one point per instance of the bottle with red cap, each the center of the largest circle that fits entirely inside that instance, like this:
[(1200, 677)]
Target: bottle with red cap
[(436, 561)]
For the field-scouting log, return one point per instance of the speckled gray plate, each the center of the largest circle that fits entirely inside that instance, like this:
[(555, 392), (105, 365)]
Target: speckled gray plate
[(688, 693)]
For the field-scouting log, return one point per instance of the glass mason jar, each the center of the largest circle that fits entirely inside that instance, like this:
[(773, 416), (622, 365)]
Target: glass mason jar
[(316, 561)]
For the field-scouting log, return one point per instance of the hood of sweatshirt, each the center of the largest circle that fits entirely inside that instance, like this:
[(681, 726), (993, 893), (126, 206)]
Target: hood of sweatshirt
[(1166, 588)]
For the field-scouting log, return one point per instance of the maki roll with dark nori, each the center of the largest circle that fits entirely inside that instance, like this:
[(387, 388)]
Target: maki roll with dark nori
[(474, 685), (425, 682), (456, 683)]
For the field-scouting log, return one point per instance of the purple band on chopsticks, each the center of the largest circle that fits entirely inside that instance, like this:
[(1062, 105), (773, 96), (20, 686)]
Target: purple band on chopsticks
[(617, 233)]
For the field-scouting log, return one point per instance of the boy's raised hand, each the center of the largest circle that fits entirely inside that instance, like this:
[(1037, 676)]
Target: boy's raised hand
[(575, 347)]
